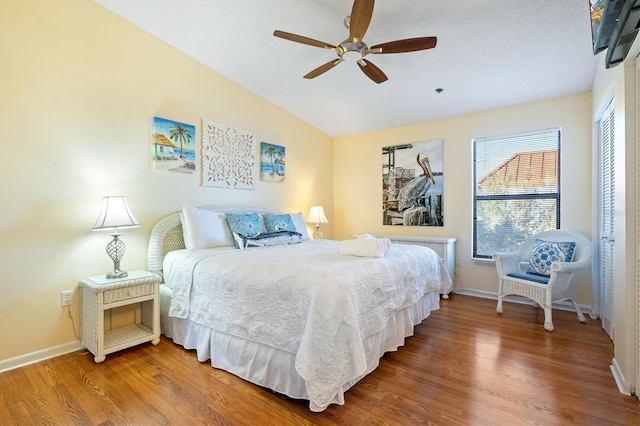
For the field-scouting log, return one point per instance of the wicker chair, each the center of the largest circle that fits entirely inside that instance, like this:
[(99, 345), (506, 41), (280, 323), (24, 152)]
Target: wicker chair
[(543, 290)]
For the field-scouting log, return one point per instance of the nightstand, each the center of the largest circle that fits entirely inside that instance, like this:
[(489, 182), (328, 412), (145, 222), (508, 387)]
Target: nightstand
[(99, 294)]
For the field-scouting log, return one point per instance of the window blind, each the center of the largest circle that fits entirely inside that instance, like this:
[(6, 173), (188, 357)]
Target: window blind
[(516, 189)]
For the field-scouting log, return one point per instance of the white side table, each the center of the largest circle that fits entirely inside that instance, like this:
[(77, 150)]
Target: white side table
[(99, 294)]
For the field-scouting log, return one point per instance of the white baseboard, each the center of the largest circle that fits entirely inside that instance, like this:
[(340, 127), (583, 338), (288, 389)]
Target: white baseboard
[(619, 378), (563, 306), (37, 356)]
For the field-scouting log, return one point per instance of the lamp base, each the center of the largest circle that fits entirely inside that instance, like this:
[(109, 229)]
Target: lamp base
[(116, 249), (317, 234), (117, 274)]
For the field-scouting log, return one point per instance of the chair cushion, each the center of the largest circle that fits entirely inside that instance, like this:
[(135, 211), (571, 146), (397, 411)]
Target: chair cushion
[(544, 253), (530, 277)]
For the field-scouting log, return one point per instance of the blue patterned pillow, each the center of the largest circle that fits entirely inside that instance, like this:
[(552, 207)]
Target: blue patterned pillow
[(248, 225), (278, 222), (546, 252), (267, 239)]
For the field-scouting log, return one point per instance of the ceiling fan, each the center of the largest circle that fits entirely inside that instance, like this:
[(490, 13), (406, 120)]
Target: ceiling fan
[(354, 49)]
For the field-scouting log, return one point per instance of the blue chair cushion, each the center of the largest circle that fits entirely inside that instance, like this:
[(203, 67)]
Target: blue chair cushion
[(544, 253), (542, 279)]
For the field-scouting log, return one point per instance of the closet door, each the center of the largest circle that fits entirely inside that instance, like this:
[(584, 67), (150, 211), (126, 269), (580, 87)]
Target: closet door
[(637, 313), (606, 216)]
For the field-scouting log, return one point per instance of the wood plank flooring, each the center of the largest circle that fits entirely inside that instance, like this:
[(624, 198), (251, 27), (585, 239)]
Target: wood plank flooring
[(465, 365)]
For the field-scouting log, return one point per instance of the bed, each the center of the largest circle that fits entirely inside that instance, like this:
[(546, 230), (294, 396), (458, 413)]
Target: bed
[(298, 318)]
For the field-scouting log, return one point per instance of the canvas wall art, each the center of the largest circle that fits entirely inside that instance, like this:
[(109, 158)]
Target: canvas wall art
[(412, 184), (272, 162), (228, 157), (173, 146)]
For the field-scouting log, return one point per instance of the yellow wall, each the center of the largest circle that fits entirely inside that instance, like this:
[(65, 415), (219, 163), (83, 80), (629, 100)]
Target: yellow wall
[(358, 177), (78, 89)]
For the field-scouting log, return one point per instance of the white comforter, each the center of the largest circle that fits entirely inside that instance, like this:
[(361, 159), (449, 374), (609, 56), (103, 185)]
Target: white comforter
[(304, 298)]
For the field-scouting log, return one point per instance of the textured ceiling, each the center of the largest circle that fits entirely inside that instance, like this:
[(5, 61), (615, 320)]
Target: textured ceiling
[(490, 54)]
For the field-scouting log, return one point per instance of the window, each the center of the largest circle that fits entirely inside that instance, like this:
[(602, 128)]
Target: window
[(516, 190)]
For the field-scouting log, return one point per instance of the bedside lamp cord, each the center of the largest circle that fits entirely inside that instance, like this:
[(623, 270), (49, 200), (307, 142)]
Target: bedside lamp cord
[(73, 323)]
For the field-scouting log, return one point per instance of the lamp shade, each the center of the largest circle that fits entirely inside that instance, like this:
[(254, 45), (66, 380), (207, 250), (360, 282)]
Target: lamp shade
[(115, 213), (316, 215)]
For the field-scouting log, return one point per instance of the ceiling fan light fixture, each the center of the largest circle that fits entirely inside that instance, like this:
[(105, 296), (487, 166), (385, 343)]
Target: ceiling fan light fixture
[(351, 51), (351, 55)]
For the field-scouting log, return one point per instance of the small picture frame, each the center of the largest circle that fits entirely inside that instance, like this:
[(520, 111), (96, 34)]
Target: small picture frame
[(272, 162), (173, 146)]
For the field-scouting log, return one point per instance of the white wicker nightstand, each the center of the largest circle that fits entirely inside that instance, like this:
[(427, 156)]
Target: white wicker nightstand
[(100, 294)]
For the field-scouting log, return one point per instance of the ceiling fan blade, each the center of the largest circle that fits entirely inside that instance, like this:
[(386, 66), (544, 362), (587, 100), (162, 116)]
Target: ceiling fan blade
[(301, 39), (406, 45), (373, 72), (361, 14), (323, 68)]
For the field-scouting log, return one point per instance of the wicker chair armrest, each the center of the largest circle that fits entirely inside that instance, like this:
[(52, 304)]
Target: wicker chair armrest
[(568, 266), (507, 255), (507, 263)]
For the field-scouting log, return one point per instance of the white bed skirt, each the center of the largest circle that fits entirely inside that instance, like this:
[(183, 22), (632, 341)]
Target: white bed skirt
[(274, 368)]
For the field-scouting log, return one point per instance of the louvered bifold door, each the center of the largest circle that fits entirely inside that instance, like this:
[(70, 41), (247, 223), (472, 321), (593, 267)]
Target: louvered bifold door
[(637, 313), (606, 216)]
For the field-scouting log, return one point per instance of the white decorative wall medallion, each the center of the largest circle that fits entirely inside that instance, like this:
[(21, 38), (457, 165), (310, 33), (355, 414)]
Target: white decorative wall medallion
[(228, 157)]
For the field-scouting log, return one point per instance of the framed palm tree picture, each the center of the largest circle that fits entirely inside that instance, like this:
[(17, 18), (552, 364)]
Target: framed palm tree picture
[(272, 162), (173, 146)]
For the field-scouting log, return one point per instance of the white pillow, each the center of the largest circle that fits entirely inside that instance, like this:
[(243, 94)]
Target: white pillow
[(204, 228), (298, 222)]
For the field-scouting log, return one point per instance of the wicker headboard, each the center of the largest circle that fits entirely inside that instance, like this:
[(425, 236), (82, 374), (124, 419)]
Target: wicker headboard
[(167, 236)]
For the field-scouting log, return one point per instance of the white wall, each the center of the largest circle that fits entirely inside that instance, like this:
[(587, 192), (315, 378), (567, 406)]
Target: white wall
[(619, 82)]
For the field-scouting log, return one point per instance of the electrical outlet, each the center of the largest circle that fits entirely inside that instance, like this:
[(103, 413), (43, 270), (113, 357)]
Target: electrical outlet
[(67, 298), (458, 262)]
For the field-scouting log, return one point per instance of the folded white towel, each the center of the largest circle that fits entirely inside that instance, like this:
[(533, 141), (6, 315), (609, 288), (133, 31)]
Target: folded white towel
[(365, 247), (364, 237)]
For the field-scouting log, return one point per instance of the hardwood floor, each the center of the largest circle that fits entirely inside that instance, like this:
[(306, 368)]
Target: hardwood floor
[(465, 365)]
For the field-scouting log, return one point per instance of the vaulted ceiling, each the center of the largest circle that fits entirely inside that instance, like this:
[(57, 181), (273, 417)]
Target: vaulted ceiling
[(490, 54)]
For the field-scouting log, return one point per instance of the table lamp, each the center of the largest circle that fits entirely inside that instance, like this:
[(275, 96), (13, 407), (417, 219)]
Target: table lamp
[(316, 215), (115, 214)]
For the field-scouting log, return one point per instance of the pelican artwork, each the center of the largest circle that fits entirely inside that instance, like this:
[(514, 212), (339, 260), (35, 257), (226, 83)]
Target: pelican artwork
[(418, 186)]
